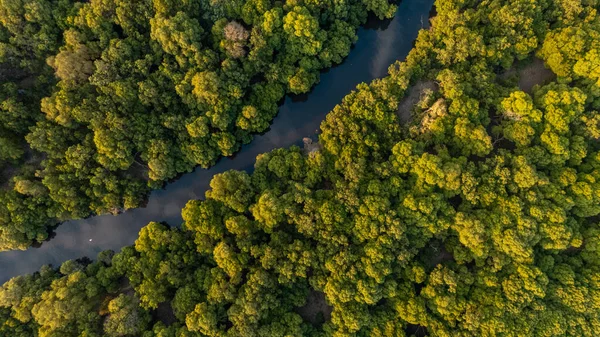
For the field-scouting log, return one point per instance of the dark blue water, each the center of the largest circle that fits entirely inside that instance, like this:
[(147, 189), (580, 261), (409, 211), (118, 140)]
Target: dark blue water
[(379, 45)]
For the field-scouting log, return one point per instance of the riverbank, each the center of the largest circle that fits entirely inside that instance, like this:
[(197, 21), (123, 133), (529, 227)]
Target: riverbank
[(376, 49)]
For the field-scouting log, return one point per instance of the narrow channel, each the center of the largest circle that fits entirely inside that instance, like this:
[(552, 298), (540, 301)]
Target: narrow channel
[(379, 45)]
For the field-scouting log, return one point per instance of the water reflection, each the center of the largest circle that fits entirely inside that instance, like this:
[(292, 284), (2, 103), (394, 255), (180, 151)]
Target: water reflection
[(378, 46)]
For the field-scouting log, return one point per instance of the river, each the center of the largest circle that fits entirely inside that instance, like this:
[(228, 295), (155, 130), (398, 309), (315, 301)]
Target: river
[(379, 45)]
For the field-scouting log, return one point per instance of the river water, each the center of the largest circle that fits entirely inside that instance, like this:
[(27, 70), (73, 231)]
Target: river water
[(379, 45)]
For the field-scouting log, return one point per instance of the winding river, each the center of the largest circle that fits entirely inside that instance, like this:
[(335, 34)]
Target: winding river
[(379, 45)]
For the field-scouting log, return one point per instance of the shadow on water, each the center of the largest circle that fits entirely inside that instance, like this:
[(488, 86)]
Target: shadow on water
[(373, 22), (416, 330), (51, 235), (299, 98), (433, 12), (298, 117)]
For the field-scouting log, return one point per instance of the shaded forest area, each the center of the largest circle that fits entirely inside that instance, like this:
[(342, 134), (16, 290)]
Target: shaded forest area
[(101, 101), (479, 217)]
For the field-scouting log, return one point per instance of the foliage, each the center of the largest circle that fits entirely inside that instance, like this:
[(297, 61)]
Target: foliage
[(479, 217), (102, 100)]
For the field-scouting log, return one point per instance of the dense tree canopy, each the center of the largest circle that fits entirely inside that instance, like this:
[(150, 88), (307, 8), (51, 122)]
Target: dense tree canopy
[(478, 217), (102, 100)]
